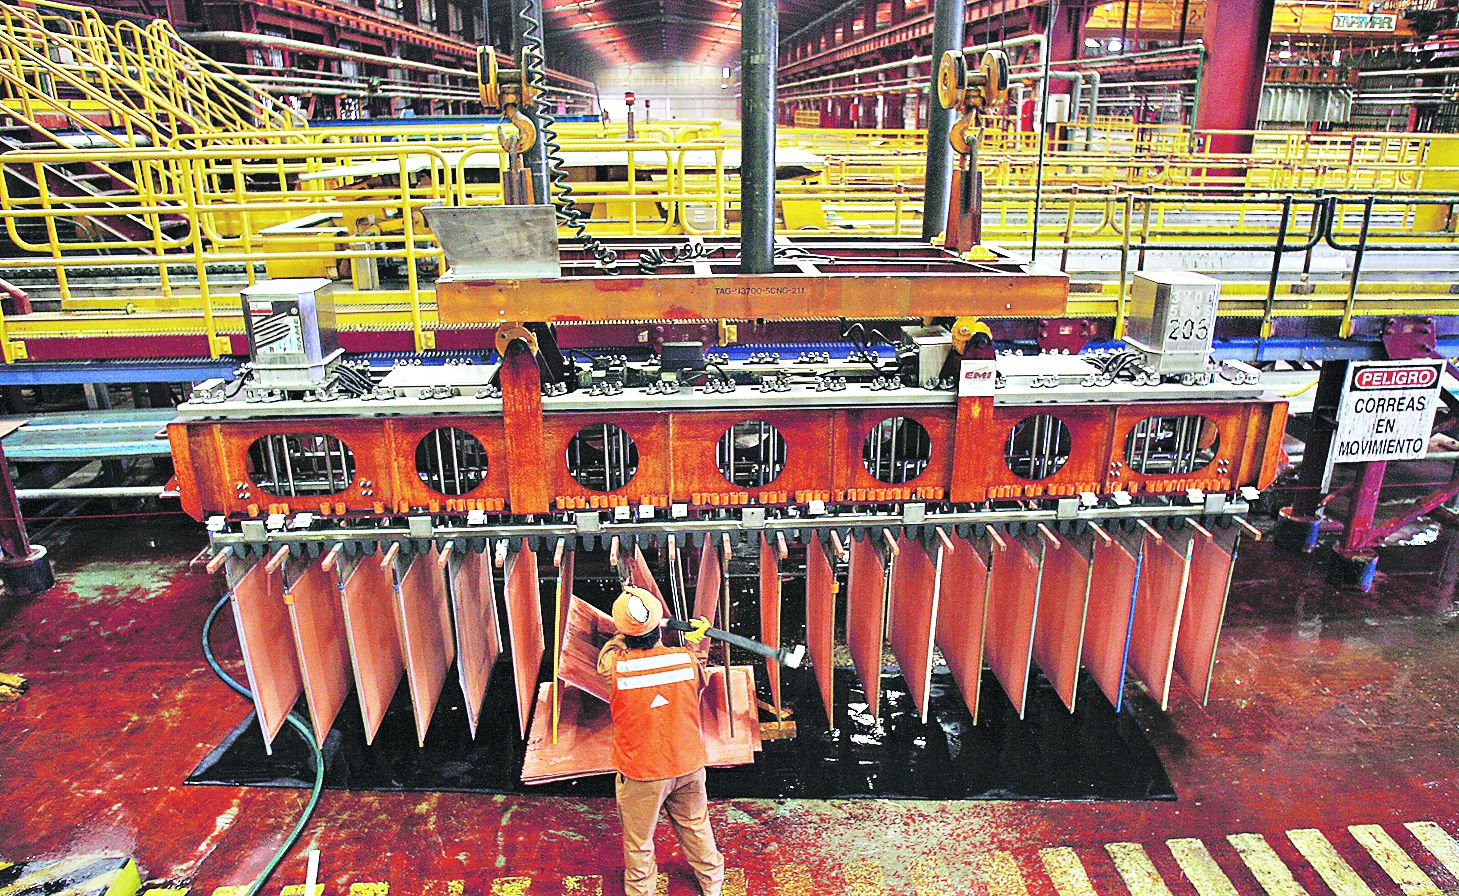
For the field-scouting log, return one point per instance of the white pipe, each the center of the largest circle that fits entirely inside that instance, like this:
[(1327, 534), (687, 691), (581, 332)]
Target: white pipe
[(1140, 85), (106, 491), (303, 46), (281, 86), (1402, 72), (1024, 40), (1143, 54), (395, 88), (308, 80)]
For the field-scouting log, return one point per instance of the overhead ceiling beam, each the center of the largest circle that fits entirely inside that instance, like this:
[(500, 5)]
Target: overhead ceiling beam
[(647, 20)]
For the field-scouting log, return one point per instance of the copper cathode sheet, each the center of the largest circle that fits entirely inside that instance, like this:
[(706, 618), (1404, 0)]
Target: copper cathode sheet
[(770, 613), (524, 626), (641, 575), (866, 588), (707, 584), (1159, 602), (1205, 606), (1107, 628), (820, 621), (584, 635), (1012, 609), (584, 745), (374, 640), (316, 615), (425, 631), (912, 616), (269, 658), (478, 632), (1063, 600), (962, 610)]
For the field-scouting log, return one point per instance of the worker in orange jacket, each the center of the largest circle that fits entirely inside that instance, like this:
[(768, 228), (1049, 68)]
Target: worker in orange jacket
[(658, 742)]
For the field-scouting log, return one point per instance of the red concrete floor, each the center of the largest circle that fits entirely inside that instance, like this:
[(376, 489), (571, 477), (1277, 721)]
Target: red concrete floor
[(1328, 710)]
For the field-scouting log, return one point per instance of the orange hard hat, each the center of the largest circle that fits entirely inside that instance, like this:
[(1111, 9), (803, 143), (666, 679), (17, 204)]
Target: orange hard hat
[(636, 611)]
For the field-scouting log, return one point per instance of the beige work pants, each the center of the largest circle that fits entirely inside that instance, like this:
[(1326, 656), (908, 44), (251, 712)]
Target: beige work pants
[(687, 803)]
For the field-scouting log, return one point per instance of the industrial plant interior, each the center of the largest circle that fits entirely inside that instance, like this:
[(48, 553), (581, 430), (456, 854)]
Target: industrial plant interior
[(1035, 417)]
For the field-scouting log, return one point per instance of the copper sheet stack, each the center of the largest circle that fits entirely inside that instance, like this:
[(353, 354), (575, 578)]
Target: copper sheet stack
[(1063, 600)]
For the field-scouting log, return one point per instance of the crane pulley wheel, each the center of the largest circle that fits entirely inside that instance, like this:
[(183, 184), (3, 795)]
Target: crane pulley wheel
[(952, 79), (488, 77), (985, 89)]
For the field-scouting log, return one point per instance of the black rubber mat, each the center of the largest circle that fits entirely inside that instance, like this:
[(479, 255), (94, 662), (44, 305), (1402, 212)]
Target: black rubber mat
[(1092, 754)]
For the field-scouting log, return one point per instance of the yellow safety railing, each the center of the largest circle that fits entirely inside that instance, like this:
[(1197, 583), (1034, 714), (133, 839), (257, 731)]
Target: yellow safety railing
[(64, 61), (188, 78), (370, 237), (628, 187), (346, 211)]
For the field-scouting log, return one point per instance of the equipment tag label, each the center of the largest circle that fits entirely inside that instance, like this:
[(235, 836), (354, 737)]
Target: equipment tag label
[(1387, 410), (1372, 23), (976, 379)]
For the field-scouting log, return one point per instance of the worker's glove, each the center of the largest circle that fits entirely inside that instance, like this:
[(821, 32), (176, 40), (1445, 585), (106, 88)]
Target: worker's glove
[(698, 632)]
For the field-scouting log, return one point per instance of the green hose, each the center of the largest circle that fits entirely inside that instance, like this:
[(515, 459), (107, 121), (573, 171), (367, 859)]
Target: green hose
[(299, 725)]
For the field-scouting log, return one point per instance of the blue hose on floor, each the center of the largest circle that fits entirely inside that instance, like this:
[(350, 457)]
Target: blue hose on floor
[(304, 732)]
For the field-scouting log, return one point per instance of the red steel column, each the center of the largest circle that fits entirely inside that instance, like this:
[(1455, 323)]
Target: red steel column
[(1236, 35), (25, 568), (14, 542), (1065, 35), (1364, 508)]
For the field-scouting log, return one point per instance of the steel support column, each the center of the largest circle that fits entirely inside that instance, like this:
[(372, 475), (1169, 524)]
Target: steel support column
[(1297, 525), (24, 567), (1235, 35), (758, 39), (947, 34)]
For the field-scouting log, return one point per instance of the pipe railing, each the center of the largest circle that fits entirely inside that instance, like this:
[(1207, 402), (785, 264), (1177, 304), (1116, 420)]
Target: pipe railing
[(342, 207)]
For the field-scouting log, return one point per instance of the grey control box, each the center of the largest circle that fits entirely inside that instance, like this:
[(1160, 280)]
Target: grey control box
[(1172, 319), (292, 338)]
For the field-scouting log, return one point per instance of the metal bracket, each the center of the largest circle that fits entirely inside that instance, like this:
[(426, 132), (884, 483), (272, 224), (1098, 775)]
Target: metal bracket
[(1067, 335), (1406, 338)]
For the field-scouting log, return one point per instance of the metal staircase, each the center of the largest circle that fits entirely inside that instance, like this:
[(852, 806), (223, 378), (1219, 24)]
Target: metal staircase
[(70, 81)]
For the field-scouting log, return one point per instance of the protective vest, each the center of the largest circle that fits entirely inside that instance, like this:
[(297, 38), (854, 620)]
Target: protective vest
[(655, 705)]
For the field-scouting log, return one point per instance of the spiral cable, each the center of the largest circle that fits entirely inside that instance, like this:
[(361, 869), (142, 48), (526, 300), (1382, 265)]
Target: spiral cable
[(560, 192), (652, 259)]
